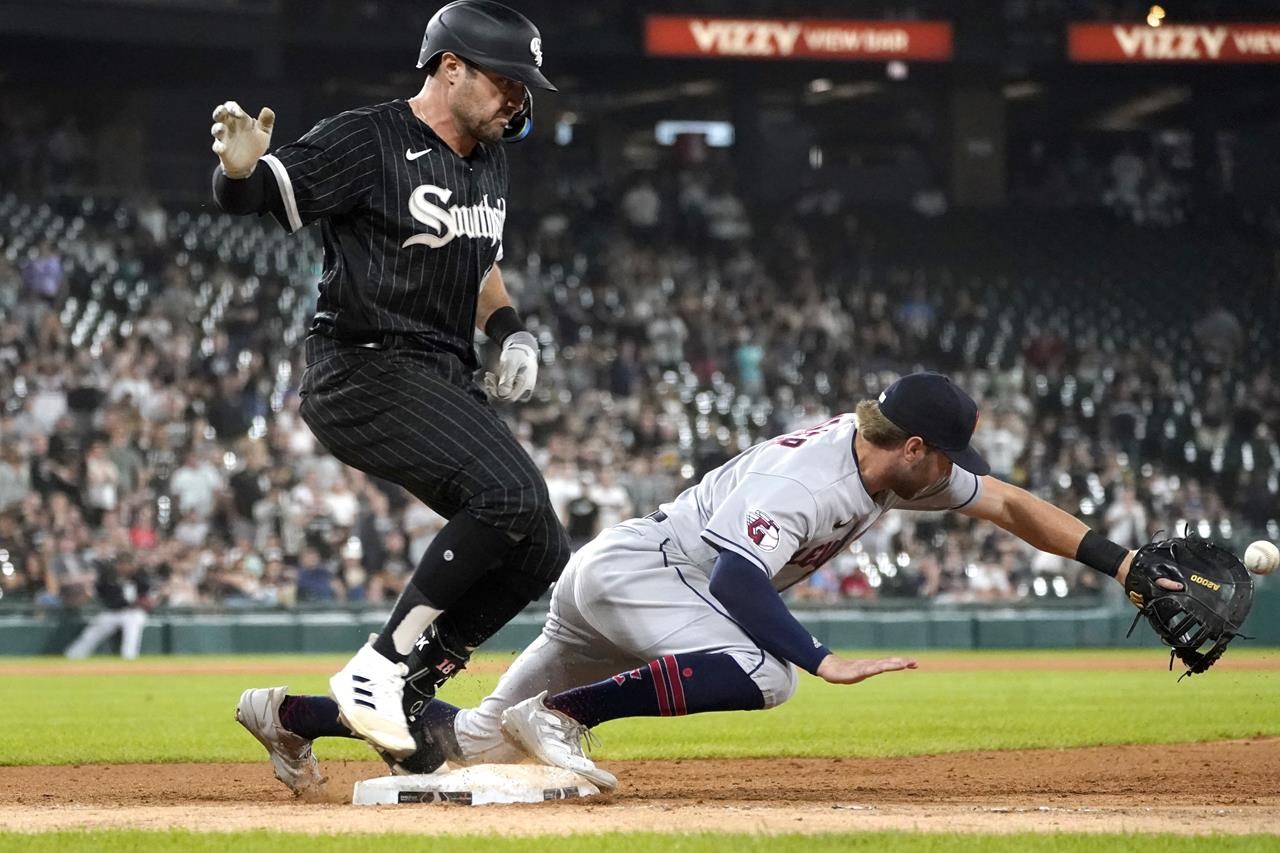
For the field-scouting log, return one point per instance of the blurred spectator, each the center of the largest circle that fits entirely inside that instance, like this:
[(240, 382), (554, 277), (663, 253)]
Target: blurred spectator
[(611, 498), (143, 535), (726, 216), (564, 486), (748, 357), (123, 591), (194, 486), (316, 578), (583, 514), (389, 578), (67, 152), (1220, 337), (352, 573), (191, 530), (642, 207), (149, 358), (42, 273), (1126, 520), (15, 474), (279, 584), (421, 525), (341, 504), (1003, 443), (101, 483), (71, 573)]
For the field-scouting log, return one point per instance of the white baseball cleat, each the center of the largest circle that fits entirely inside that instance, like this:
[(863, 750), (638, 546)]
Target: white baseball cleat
[(553, 738), (369, 691), (291, 756)]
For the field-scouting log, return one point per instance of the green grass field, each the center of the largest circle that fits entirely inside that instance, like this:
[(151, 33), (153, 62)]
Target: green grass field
[(971, 701), (143, 717)]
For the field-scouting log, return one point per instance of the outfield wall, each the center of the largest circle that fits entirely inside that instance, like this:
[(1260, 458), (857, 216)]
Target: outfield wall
[(937, 627)]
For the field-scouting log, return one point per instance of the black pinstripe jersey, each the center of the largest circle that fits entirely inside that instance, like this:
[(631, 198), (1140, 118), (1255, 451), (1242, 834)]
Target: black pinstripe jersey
[(410, 228)]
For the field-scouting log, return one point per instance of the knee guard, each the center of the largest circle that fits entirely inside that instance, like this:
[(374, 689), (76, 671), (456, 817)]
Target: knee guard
[(544, 550)]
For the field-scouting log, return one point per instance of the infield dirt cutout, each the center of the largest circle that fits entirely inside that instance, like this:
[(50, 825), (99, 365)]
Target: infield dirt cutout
[(1227, 786)]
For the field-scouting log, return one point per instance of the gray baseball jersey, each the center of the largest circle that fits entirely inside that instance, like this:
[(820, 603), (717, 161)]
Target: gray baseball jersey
[(790, 504), (640, 591)]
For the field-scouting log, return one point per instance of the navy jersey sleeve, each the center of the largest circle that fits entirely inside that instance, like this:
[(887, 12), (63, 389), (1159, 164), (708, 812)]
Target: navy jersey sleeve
[(327, 171)]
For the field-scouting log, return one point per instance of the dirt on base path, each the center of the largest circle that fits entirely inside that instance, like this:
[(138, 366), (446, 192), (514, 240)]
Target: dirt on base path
[(1230, 787)]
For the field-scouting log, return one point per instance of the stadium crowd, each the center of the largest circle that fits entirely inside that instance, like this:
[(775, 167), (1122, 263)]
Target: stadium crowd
[(149, 357)]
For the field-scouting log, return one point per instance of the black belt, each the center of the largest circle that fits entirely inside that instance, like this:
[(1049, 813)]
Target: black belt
[(657, 515), (323, 325), (371, 340)]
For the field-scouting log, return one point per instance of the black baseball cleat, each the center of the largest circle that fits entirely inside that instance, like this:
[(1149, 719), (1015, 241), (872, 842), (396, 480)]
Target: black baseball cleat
[(427, 758)]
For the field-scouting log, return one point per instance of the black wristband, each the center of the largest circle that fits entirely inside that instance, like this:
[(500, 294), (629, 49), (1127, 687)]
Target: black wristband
[(503, 323), (241, 195), (1099, 552)]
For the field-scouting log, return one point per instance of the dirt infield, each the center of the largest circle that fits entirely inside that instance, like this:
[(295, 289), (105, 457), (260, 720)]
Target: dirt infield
[(1230, 787)]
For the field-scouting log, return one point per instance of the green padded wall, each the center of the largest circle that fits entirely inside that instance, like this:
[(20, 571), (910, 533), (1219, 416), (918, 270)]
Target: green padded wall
[(874, 626)]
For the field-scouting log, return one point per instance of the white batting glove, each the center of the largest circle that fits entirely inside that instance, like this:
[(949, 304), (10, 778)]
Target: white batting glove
[(240, 141), (517, 369)]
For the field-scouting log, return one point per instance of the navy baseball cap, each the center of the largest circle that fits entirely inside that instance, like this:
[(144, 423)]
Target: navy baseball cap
[(931, 406)]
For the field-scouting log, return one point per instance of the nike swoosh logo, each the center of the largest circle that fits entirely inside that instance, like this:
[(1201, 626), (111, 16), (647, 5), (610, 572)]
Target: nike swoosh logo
[(414, 155), (840, 524)]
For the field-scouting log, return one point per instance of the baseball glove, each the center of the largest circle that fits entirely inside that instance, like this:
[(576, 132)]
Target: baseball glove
[(1199, 620)]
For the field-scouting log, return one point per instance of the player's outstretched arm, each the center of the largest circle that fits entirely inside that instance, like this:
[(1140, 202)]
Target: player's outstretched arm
[(240, 140), (838, 670), (1047, 528), (749, 597)]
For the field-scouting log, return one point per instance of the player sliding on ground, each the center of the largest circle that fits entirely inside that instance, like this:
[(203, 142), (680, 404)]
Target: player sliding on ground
[(680, 612)]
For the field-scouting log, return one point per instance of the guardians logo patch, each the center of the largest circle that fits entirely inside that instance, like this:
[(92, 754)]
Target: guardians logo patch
[(762, 530)]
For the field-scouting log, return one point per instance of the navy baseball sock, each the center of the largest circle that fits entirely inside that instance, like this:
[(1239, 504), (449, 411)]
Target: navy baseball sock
[(670, 686), (464, 551), (312, 717)]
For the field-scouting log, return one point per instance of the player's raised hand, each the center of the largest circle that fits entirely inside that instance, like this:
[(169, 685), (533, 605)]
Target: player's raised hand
[(838, 670), (239, 140), (517, 369)]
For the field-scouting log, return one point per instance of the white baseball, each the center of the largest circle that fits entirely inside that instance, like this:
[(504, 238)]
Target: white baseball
[(1262, 557)]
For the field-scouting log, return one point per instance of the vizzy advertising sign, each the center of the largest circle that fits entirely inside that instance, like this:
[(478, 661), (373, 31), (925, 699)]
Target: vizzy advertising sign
[(1224, 43), (760, 38)]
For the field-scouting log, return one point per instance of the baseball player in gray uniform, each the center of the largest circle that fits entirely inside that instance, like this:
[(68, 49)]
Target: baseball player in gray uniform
[(680, 612)]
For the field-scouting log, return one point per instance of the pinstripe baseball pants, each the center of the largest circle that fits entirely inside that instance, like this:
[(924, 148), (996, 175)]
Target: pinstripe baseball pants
[(418, 419)]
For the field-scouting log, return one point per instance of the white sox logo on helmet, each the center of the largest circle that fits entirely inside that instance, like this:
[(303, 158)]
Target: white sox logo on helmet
[(535, 47)]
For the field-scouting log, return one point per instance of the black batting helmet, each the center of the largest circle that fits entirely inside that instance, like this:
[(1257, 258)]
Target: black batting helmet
[(488, 34)]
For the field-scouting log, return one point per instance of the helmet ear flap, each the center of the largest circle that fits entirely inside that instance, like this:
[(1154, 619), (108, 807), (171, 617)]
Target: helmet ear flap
[(521, 123)]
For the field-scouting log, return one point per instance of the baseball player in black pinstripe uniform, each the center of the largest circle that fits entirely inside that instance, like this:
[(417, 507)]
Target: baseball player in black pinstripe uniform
[(411, 197)]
